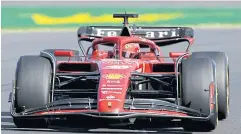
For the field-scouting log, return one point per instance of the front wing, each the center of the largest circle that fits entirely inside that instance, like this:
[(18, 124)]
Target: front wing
[(138, 108)]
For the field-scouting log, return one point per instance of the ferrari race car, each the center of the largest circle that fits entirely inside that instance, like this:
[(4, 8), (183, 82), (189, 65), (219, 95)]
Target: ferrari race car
[(123, 84)]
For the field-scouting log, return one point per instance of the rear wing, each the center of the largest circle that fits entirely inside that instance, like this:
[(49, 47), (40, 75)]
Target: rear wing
[(160, 35), (152, 33)]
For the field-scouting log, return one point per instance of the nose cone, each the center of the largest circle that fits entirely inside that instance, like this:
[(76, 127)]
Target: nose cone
[(113, 86), (112, 91)]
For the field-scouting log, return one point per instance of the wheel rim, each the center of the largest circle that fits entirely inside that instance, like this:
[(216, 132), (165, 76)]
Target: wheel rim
[(227, 87), (217, 105)]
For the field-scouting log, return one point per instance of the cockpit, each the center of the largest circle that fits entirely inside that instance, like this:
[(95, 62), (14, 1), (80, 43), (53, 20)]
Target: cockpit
[(114, 51)]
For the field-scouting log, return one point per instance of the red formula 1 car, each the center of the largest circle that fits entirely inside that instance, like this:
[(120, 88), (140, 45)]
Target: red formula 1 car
[(123, 84)]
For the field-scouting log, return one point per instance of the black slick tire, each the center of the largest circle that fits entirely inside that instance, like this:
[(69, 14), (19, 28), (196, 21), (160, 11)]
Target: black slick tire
[(222, 67), (197, 75), (33, 84)]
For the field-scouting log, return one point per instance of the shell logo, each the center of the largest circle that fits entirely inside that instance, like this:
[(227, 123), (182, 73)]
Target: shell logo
[(114, 76), (131, 45), (128, 46)]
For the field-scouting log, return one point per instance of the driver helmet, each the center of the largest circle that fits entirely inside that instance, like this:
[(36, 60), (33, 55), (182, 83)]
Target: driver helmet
[(130, 50)]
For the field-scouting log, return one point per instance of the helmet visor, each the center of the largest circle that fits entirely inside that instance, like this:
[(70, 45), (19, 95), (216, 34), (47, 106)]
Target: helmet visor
[(128, 54)]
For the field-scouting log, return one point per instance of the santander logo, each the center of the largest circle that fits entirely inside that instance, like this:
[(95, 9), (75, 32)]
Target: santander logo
[(117, 67), (110, 97)]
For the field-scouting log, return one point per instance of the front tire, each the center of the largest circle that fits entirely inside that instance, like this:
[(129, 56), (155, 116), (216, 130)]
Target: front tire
[(222, 67), (198, 81), (33, 84)]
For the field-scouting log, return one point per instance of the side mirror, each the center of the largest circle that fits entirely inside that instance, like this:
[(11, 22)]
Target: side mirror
[(175, 54), (64, 53)]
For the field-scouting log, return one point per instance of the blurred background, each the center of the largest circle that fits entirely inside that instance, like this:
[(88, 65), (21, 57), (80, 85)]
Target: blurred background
[(72, 14)]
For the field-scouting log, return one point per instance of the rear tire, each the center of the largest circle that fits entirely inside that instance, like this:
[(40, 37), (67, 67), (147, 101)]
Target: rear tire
[(222, 68), (33, 83), (196, 76)]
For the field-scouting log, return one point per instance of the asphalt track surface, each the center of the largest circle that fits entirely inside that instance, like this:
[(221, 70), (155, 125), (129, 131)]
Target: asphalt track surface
[(15, 45)]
